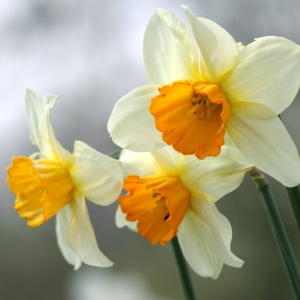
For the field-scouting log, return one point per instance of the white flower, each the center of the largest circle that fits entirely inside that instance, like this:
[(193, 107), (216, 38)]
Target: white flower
[(170, 194), (206, 90), (58, 182)]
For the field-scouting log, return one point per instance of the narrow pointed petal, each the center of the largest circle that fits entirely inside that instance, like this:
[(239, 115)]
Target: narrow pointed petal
[(268, 73), (215, 176), (196, 244), (205, 240), (262, 138), (165, 56), (217, 51), (98, 176), (34, 112), (63, 218), (53, 149), (131, 125), (221, 230), (81, 237)]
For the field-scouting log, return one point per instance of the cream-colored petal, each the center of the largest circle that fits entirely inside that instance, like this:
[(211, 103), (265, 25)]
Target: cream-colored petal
[(217, 52), (53, 149), (228, 141), (122, 222), (268, 73), (198, 247), (262, 138), (221, 230), (81, 237), (98, 176), (41, 132), (165, 56), (215, 176), (63, 218), (170, 161), (139, 163), (164, 160), (205, 240), (131, 124), (34, 112)]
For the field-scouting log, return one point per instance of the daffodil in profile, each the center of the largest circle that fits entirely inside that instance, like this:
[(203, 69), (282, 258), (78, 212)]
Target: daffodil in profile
[(171, 194), (205, 90), (54, 181)]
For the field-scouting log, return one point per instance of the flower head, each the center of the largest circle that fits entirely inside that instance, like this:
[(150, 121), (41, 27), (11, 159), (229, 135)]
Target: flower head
[(54, 181), (169, 194), (206, 91)]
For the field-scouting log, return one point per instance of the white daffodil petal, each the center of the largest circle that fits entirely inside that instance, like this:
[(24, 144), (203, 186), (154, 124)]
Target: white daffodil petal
[(268, 73), (166, 59), (169, 160), (122, 222), (205, 237), (131, 125), (53, 149), (34, 112), (218, 50), (163, 160), (262, 138), (215, 176), (139, 163), (98, 176), (221, 230), (81, 237), (63, 218), (228, 141), (198, 246)]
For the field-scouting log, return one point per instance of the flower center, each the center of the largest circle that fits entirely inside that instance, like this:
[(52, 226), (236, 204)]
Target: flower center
[(158, 203), (42, 188), (192, 117)]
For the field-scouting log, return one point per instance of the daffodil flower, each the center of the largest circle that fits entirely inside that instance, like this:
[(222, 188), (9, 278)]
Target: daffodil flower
[(206, 90), (55, 181), (169, 194)]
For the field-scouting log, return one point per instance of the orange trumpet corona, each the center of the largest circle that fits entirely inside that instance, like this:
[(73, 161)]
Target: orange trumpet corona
[(192, 117), (158, 203)]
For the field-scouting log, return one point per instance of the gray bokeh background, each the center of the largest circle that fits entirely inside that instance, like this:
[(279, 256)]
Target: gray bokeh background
[(90, 53)]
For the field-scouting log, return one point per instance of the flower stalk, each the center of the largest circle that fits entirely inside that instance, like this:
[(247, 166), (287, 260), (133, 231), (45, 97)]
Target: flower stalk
[(294, 195), (185, 278), (280, 234)]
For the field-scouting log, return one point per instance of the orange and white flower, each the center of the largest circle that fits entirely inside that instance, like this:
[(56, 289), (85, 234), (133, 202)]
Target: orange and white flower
[(169, 194), (55, 181), (206, 91)]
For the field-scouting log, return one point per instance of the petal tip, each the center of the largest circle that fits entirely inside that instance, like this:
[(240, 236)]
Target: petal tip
[(29, 94), (28, 91), (186, 9)]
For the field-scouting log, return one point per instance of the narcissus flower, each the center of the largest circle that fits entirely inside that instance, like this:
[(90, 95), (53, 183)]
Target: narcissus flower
[(169, 194), (55, 181), (206, 90)]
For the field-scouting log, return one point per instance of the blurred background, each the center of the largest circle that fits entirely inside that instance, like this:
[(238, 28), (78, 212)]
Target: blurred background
[(89, 53)]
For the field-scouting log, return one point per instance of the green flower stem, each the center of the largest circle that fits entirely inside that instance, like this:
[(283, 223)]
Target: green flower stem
[(278, 230), (294, 195), (184, 272)]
